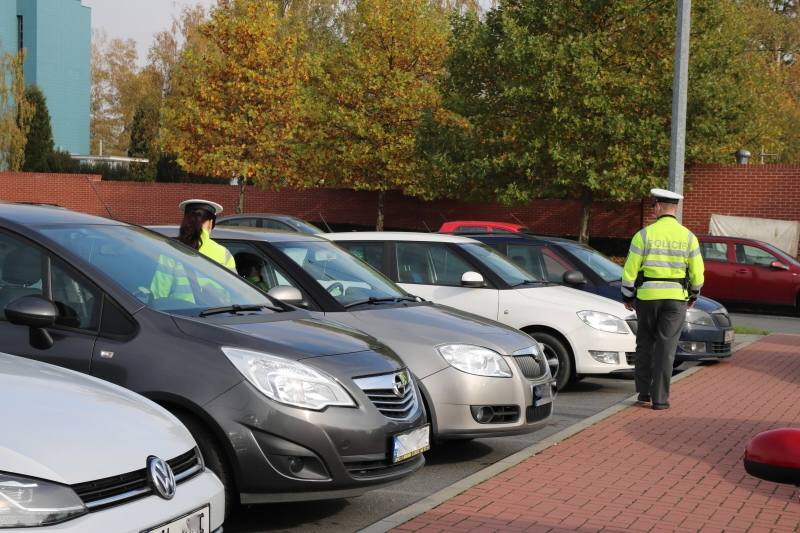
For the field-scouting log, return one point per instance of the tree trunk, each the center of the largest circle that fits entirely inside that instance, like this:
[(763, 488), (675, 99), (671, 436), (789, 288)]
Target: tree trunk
[(242, 185), (587, 197), (381, 203)]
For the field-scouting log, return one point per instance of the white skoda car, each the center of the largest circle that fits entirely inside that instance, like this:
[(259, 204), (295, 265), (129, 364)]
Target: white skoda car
[(585, 333), (81, 455)]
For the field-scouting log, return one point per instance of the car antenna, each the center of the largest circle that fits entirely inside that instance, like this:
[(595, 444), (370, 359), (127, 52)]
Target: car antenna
[(518, 220), (89, 180), (441, 215), (326, 224), (426, 227)]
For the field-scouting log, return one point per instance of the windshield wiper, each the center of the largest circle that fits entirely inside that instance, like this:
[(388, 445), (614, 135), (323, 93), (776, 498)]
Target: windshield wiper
[(531, 282), (373, 300), (237, 309), (613, 280)]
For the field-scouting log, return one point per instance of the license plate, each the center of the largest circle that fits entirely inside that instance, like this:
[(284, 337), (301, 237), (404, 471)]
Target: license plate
[(195, 522), (542, 394), (410, 443), (729, 335)]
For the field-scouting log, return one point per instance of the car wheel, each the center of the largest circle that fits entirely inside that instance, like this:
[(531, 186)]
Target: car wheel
[(554, 348), (213, 455)]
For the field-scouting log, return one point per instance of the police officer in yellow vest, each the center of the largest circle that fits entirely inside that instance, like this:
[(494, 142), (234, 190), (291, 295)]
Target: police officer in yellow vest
[(170, 279), (663, 274)]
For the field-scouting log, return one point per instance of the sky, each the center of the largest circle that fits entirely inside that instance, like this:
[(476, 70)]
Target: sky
[(137, 19)]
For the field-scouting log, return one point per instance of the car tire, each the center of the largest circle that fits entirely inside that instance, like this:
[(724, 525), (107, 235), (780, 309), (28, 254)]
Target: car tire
[(553, 346), (213, 454)]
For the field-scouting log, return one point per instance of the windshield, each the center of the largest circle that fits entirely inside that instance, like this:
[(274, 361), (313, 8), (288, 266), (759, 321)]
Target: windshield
[(161, 273), (346, 277), (499, 264), (602, 265), (307, 227)]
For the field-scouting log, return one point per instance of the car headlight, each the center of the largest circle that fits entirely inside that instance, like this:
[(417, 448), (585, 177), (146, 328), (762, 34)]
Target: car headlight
[(701, 318), (604, 322), (287, 381), (27, 502), (475, 360)]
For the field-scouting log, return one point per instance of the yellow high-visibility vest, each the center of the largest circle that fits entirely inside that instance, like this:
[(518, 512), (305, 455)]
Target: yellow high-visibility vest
[(215, 251), (668, 256)]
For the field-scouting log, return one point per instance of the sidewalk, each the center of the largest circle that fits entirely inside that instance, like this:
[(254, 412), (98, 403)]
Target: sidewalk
[(655, 471)]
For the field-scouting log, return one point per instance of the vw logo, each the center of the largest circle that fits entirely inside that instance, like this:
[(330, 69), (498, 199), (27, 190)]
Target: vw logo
[(160, 477), (399, 385)]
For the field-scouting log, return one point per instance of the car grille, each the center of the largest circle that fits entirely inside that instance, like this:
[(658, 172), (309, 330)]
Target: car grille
[(504, 414), (535, 414), (117, 490), (722, 319), (721, 347), (395, 402), (379, 468), (630, 358), (530, 368), (634, 325)]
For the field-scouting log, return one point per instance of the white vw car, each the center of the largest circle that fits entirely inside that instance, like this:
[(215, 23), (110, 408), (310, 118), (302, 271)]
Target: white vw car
[(81, 455), (584, 333)]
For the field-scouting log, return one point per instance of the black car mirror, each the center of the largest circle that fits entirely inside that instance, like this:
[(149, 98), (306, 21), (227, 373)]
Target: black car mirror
[(472, 279), (779, 265), (288, 294), (774, 456), (37, 313), (573, 277)]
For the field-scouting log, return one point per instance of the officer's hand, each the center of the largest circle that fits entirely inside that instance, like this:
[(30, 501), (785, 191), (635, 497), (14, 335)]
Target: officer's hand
[(690, 304), (628, 305)]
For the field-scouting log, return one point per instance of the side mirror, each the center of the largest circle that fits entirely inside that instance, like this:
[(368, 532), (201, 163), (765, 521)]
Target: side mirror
[(774, 455), (573, 277), (472, 279), (779, 265), (288, 294), (37, 313)]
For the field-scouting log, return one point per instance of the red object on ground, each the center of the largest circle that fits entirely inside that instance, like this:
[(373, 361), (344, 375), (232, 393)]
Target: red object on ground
[(774, 455), (482, 226)]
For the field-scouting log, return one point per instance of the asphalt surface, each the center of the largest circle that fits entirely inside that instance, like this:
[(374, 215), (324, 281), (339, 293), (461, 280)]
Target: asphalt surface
[(449, 463)]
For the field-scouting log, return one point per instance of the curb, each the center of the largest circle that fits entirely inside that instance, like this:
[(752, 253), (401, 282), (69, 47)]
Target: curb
[(437, 498)]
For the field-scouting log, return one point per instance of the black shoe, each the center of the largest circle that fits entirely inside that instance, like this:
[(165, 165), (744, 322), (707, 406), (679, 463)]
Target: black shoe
[(643, 398), (660, 406)]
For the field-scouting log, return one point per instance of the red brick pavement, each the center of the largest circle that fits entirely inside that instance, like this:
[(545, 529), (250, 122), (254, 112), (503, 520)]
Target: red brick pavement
[(678, 470)]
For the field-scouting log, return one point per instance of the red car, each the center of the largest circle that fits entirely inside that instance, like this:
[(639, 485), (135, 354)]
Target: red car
[(480, 226), (744, 270)]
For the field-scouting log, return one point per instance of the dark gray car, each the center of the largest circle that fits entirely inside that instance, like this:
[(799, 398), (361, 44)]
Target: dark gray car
[(284, 405)]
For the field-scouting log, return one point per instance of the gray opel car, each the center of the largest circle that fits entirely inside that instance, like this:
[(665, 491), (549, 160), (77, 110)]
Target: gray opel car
[(284, 405), (478, 378)]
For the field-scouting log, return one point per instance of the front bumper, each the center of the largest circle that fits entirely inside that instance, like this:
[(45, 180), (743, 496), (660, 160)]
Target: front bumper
[(452, 395), (587, 338), (336, 453), (703, 343), (147, 513)]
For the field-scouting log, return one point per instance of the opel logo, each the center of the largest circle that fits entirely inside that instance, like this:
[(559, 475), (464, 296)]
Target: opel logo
[(160, 477), (400, 384)]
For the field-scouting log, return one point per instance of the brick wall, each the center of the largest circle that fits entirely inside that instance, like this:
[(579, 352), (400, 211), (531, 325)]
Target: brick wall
[(764, 191)]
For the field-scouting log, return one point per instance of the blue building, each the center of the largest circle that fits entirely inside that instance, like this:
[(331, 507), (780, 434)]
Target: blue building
[(58, 37)]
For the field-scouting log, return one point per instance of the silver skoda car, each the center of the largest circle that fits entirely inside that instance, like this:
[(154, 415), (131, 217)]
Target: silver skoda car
[(478, 378)]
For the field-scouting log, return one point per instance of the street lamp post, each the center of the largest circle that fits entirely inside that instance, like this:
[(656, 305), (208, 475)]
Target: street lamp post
[(677, 145)]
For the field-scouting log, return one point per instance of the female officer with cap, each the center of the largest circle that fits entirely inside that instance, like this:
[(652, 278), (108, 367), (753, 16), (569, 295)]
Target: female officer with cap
[(199, 218)]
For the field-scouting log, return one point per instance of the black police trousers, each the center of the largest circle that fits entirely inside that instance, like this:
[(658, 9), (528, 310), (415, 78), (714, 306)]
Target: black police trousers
[(660, 324)]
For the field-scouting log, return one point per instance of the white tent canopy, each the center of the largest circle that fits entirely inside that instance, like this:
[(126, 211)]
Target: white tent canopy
[(782, 234)]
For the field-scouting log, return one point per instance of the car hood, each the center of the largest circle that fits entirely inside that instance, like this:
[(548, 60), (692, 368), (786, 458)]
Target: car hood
[(70, 428), (707, 304), (297, 338), (414, 331), (577, 300)]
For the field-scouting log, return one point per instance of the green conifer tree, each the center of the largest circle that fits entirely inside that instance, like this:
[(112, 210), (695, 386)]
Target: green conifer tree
[(40, 145)]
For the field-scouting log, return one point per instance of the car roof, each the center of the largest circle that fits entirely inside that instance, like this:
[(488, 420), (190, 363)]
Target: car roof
[(47, 214), (264, 215), (247, 234), (729, 238), (456, 223), (510, 237), (396, 236)]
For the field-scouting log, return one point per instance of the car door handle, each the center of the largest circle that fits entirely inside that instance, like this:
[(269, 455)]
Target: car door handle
[(742, 271)]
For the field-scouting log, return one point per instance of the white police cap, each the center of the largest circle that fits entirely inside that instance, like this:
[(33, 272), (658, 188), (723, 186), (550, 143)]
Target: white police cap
[(212, 207), (665, 196)]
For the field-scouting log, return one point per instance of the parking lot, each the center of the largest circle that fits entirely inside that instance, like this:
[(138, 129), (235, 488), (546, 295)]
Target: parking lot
[(450, 463)]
